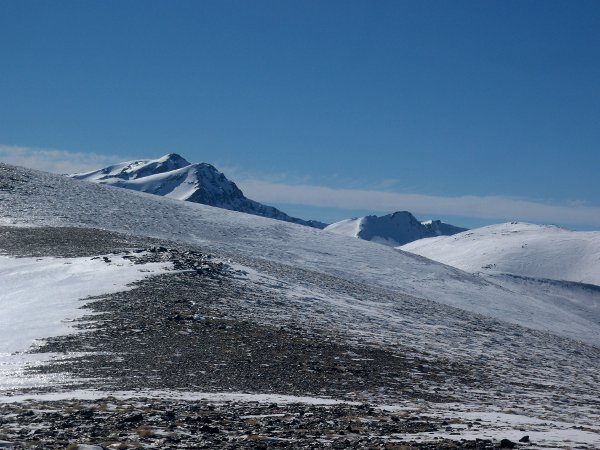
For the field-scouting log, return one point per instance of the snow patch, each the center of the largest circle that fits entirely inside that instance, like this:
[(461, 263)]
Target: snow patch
[(40, 298), (219, 397)]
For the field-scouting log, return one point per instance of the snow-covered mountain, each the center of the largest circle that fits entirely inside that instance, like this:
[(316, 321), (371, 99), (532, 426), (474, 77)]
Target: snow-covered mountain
[(172, 176), (394, 229), (536, 251)]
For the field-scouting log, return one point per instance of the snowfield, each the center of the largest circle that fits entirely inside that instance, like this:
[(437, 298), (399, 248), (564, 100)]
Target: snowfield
[(535, 251)]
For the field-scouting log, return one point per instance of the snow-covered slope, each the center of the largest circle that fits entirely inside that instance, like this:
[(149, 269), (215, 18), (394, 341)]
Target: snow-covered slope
[(38, 198), (537, 251), (393, 229), (172, 176)]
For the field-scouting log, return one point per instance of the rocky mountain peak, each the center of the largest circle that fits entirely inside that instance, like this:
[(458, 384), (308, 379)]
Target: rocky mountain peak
[(175, 177), (398, 228)]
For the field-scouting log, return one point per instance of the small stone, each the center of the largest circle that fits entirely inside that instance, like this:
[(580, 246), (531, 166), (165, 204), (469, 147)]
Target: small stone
[(137, 417), (209, 429), (506, 443)]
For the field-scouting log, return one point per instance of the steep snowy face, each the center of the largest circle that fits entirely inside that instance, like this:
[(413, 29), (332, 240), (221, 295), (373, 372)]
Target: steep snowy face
[(172, 176), (536, 251), (200, 183), (393, 229)]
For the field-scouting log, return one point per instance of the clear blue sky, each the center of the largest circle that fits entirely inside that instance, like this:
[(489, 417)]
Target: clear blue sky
[(437, 98)]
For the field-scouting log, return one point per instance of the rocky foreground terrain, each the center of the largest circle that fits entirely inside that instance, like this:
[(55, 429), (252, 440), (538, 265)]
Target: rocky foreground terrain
[(178, 424), (167, 334)]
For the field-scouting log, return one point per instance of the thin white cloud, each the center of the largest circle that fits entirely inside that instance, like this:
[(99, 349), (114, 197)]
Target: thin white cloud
[(492, 207), (53, 160)]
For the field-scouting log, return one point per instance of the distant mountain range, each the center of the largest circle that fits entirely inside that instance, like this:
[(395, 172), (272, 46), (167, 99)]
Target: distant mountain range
[(394, 229), (173, 176)]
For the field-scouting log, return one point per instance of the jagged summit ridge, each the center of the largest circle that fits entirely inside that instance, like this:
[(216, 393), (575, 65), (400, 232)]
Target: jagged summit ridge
[(173, 176), (394, 229)]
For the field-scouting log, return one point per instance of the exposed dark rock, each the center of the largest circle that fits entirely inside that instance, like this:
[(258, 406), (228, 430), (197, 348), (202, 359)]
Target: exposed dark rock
[(507, 443)]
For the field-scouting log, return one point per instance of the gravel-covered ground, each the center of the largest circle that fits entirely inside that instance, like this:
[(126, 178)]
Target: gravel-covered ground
[(168, 334), (164, 335), (177, 424)]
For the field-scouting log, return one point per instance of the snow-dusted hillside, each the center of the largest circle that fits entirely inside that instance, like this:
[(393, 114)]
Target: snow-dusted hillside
[(393, 229), (71, 202), (172, 176), (536, 251), (479, 345)]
